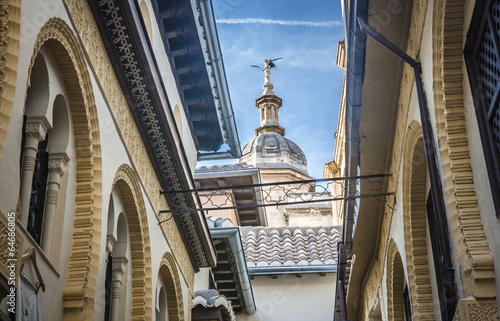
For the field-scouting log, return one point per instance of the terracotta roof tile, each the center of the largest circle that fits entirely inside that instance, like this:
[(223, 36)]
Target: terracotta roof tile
[(271, 246)]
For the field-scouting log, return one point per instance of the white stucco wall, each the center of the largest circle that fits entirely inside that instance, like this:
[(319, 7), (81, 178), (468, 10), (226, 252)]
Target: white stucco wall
[(54, 267), (289, 298)]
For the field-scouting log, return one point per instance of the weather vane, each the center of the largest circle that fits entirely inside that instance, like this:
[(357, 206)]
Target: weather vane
[(268, 65)]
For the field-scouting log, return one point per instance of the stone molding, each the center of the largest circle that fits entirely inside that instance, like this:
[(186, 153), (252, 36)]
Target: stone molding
[(395, 278), (471, 246), (127, 183), (10, 30), (78, 294), (98, 58), (170, 275), (415, 223)]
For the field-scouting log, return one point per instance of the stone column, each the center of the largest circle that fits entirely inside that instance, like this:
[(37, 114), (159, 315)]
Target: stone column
[(116, 285), (35, 133), (57, 163)]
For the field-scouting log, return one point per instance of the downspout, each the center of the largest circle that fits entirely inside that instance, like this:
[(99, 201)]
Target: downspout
[(233, 235), (227, 113), (430, 157)]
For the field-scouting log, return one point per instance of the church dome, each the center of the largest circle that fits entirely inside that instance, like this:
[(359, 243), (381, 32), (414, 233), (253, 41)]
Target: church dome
[(272, 150)]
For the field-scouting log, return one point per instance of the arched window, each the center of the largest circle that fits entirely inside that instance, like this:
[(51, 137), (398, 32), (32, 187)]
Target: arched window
[(34, 157), (118, 280), (46, 132), (428, 256)]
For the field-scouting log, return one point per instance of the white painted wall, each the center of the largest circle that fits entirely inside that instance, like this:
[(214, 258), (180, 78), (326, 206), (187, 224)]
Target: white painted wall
[(34, 15), (289, 298)]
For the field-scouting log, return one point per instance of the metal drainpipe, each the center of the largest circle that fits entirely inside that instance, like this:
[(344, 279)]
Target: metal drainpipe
[(430, 154), (233, 235)]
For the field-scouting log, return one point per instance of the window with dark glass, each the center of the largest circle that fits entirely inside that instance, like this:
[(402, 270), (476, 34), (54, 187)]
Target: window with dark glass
[(482, 56), (107, 288), (38, 189), (407, 304)]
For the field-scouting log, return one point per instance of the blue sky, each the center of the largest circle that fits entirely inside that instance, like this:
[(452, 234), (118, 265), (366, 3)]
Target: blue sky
[(305, 33)]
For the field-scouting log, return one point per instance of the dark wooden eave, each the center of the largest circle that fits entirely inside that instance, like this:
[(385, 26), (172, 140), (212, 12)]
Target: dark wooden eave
[(129, 51), (180, 37)]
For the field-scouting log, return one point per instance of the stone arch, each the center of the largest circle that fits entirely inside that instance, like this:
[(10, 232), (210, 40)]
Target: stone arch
[(470, 242), (10, 17), (395, 283), (415, 223), (127, 183), (170, 275), (37, 96), (78, 294), (59, 139)]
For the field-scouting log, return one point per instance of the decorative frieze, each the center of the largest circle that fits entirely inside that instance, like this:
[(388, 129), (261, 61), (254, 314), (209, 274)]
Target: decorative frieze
[(470, 309), (10, 16)]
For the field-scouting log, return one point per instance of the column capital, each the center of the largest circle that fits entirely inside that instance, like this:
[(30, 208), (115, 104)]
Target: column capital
[(57, 163), (110, 243), (119, 264), (36, 128)]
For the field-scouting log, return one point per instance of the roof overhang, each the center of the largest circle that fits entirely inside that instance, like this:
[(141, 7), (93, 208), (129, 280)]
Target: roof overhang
[(372, 93), (190, 39), (128, 48)]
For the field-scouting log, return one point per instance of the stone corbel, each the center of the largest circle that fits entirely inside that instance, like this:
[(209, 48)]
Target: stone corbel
[(483, 275)]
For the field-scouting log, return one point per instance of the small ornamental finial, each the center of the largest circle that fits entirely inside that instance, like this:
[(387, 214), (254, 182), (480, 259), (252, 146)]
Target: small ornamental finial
[(268, 65)]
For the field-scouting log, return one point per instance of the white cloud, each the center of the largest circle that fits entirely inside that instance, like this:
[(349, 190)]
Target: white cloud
[(327, 24)]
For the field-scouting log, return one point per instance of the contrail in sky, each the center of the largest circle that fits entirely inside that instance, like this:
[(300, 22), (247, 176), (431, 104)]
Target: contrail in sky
[(327, 24)]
